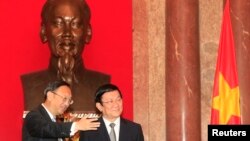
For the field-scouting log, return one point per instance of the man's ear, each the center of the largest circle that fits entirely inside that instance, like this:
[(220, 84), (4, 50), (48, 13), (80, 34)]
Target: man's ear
[(99, 106), (49, 95), (43, 36), (89, 34)]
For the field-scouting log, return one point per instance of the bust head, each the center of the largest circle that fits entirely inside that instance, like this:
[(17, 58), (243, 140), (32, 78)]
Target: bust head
[(66, 27)]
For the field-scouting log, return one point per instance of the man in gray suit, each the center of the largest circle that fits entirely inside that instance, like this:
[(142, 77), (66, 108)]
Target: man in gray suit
[(109, 103)]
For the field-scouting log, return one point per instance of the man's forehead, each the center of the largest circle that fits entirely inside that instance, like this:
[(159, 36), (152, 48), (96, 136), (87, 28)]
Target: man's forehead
[(62, 8), (64, 89), (111, 93), (66, 10)]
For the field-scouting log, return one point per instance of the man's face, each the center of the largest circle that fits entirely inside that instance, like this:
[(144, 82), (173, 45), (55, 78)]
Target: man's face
[(111, 106), (66, 29), (61, 99)]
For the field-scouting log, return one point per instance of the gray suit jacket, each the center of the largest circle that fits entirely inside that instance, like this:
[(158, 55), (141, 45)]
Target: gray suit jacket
[(38, 126), (129, 131)]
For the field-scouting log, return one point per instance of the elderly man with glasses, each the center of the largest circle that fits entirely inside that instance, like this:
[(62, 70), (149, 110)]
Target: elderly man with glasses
[(40, 124)]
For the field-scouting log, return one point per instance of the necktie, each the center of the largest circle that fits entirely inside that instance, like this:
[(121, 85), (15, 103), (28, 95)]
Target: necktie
[(112, 132)]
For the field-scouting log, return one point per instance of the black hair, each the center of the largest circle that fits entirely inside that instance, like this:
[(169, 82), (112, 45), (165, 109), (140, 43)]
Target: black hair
[(52, 86), (49, 4), (103, 89)]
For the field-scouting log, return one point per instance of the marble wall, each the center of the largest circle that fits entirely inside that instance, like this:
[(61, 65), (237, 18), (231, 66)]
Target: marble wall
[(149, 63), (149, 67), (210, 25)]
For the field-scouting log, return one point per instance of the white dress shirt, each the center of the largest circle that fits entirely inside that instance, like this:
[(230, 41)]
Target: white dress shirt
[(116, 128)]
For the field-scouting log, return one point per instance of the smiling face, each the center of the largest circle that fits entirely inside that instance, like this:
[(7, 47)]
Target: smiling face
[(59, 100), (111, 105), (66, 29)]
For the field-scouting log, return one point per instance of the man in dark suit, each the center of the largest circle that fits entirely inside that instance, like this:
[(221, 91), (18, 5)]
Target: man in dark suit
[(40, 124), (66, 28), (109, 103)]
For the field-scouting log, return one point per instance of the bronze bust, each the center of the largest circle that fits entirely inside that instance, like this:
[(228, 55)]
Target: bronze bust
[(66, 28)]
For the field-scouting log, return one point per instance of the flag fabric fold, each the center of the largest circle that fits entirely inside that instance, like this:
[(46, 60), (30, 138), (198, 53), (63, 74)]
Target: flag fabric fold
[(226, 95)]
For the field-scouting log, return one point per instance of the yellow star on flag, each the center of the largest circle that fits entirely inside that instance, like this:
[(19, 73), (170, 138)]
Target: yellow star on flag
[(227, 101)]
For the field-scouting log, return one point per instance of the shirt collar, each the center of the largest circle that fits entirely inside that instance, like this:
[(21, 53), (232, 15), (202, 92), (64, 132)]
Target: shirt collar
[(117, 122)]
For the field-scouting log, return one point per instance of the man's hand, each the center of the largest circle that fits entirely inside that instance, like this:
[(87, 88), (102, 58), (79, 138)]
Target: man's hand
[(87, 124)]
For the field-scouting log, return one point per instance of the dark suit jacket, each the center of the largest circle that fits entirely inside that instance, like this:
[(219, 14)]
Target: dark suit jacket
[(83, 92), (129, 131), (38, 126)]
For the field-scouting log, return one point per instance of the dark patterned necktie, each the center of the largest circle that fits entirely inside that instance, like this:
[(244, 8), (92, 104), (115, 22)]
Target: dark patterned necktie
[(112, 132)]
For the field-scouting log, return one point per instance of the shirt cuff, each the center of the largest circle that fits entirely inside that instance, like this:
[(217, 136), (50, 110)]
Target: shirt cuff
[(73, 129)]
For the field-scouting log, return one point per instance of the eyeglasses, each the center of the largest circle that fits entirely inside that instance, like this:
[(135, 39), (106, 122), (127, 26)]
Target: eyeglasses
[(65, 99), (113, 101)]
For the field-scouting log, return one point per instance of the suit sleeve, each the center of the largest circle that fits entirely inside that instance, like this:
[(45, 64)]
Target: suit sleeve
[(82, 136), (37, 126), (140, 136)]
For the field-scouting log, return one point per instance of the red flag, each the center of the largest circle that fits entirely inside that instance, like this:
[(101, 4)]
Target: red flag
[(226, 96)]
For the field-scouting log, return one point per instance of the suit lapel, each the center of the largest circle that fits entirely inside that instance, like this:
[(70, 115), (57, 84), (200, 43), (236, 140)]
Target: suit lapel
[(123, 131), (103, 131), (44, 113)]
